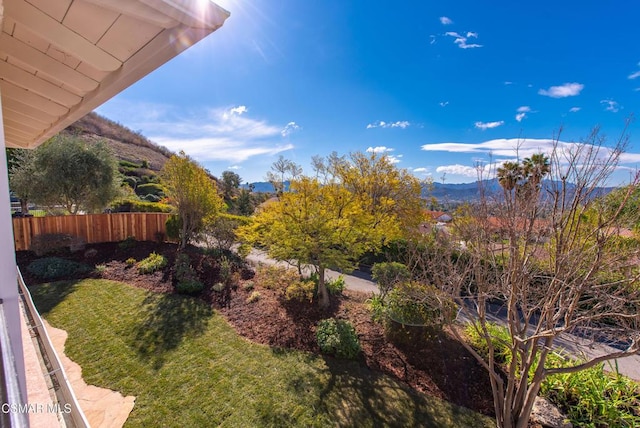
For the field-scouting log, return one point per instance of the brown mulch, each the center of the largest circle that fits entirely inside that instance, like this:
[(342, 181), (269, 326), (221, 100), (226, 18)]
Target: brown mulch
[(435, 364)]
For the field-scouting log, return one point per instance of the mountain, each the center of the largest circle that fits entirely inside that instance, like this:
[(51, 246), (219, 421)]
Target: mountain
[(127, 145)]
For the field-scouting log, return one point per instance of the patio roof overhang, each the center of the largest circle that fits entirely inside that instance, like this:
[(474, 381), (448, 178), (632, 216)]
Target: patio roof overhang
[(60, 59)]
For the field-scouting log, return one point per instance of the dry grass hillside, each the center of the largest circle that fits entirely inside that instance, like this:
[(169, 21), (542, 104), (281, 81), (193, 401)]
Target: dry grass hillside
[(126, 144)]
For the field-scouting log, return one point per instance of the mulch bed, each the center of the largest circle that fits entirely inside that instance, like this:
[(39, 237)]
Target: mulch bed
[(435, 364)]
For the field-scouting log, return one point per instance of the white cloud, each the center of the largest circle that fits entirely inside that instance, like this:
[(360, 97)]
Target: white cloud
[(611, 106), (394, 159), (488, 125), (235, 167), (457, 169), (634, 75), (444, 103), (461, 41), (562, 91), (502, 147), (206, 134), (432, 39), (289, 129), (382, 124), (445, 21), (420, 169), (522, 112), (507, 83), (575, 109), (238, 110), (379, 149)]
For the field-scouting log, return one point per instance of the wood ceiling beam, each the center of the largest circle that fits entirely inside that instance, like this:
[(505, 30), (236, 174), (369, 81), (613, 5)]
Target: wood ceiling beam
[(45, 64), (137, 10), (60, 36), (20, 77), (11, 91), (27, 110)]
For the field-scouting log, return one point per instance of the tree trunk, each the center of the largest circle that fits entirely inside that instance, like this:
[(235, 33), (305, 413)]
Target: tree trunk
[(24, 206), (323, 293)]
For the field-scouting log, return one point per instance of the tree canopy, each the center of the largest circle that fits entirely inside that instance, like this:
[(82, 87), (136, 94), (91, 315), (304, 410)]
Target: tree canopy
[(67, 172), (193, 193)]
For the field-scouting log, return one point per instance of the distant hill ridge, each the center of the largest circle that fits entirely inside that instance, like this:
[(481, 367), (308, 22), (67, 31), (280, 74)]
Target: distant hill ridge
[(126, 144)]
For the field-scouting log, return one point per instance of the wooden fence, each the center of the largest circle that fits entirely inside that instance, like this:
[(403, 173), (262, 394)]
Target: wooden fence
[(93, 228)]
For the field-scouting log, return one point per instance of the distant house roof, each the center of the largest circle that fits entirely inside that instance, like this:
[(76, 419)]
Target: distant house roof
[(60, 59), (439, 216)]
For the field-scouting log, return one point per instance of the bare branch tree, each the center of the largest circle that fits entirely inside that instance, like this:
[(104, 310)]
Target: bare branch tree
[(546, 252)]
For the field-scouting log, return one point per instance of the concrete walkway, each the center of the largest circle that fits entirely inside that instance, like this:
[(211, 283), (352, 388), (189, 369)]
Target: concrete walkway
[(360, 281), (103, 407)]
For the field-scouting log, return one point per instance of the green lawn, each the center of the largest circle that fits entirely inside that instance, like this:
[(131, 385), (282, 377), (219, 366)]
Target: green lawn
[(187, 367)]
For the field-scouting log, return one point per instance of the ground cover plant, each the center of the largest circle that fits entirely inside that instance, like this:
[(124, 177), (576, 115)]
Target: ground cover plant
[(188, 367)]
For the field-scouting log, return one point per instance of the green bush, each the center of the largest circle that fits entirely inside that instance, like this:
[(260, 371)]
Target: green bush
[(388, 275), (152, 263), (173, 227), (594, 398), (150, 189), (55, 267), (338, 337), (335, 286), (249, 285), (186, 277), (376, 306), (129, 242), (130, 261), (276, 277), (138, 206), (500, 340), (416, 304), (300, 290)]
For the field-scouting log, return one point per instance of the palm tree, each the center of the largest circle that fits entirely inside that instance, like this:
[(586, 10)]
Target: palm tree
[(535, 168), (509, 175)]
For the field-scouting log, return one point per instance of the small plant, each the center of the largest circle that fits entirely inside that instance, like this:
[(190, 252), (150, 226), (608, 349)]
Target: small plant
[(101, 268), (128, 243), (276, 277), (416, 304), (248, 286), (336, 286), (376, 306), (254, 297), (338, 337), (218, 287), (130, 262), (225, 269), (55, 267), (186, 277), (300, 290), (152, 263)]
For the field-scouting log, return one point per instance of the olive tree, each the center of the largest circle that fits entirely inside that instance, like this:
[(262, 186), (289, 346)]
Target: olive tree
[(70, 173)]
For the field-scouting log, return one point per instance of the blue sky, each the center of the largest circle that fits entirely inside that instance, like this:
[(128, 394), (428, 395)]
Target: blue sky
[(438, 86)]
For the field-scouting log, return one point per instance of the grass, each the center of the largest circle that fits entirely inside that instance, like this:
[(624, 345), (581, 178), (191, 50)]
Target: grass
[(187, 367)]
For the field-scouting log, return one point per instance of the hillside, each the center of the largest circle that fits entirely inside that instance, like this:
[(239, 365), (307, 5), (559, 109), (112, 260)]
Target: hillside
[(126, 144)]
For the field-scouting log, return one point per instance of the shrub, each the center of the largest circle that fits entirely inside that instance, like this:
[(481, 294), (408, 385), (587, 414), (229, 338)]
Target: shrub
[(54, 242), (249, 285), (138, 206), (225, 269), (152, 263), (335, 286), (276, 277), (416, 304), (55, 267), (388, 275), (186, 277), (101, 268), (150, 189), (218, 287), (129, 242), (173, 226), (593, 397), (130, 261), (338, 337), (253, 297), (376, 306), (300, 290), (500, 340)]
